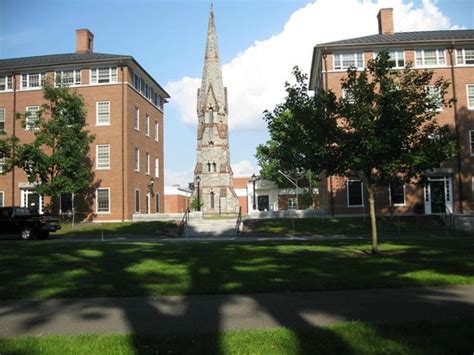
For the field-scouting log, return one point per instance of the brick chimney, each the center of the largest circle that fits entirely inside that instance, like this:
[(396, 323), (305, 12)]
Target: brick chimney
[(385, 17), (84, 41)]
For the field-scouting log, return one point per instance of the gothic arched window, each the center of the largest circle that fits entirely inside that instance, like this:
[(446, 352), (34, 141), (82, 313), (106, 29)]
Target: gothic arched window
[(208, 167), (214, 167), (212, 199)]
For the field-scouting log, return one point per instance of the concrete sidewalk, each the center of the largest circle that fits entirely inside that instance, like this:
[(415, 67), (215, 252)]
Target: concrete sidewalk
[(213, 313)]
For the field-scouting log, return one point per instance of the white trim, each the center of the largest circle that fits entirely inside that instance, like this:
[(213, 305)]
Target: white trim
[(471, 142), (4, 110), (147, 163), (147, 125), (97, 123), (436, 90), (137, 160), (2, 200), (396, 60), (467, 96), (97, 68), (157, 131), (354, 53), (148, 203), (136, 118), (5, 77), (97, 167), (97, 200), (139, 201), (437, 65), (463, 51), (37, 118), (390, 196), (361, 190), (74, 72), (28, 87)]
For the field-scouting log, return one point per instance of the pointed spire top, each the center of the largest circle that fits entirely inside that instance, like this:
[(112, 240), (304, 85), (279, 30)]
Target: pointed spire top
[(212, 6), (211, 45)]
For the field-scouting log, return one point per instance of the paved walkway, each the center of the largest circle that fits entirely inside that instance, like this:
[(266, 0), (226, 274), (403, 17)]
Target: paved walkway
[(185, 314)]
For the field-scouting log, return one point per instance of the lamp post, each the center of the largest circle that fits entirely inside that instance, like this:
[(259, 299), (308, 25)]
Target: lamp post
[(198, 181), (254, 179)]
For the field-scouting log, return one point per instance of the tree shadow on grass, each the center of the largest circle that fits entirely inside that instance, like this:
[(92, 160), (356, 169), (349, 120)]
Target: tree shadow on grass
[(64, 270)]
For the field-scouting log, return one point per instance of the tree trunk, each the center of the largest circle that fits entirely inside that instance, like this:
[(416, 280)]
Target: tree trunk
[(373, 221)]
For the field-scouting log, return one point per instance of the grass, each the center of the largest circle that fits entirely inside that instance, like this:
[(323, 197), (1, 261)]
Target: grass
[(387, 226), (121, 228), (62, 269), (350, 338)]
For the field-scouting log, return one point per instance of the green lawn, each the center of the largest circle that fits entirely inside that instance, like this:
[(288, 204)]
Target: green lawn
[(351, 338), (64, 269), (122, 228), (387, 226)]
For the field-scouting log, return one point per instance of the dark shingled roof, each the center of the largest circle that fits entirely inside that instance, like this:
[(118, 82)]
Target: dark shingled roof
[(403, 37), (57, 59)]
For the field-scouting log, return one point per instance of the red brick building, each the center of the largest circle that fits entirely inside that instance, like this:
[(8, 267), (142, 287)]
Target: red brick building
[(125, 113), (449, 54), (177, 199)]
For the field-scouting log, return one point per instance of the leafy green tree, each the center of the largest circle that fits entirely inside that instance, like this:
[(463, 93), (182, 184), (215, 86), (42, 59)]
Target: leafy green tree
[(57, 159), (389, 127), (303, 135), (195, 204)]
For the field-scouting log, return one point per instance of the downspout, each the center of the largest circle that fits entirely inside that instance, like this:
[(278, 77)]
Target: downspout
[(456, 127), (123, 141), (13, 134), (331, 189)]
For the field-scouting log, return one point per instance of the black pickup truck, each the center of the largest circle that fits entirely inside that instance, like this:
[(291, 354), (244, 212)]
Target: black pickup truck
[(27, 225)]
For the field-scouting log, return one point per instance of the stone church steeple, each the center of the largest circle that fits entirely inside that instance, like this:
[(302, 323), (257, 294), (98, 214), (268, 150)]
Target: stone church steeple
[(213, 159)]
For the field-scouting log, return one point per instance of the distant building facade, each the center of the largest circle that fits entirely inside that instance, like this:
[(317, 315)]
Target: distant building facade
[(213, 173), (449, 54), (125, 111), (177, 199)]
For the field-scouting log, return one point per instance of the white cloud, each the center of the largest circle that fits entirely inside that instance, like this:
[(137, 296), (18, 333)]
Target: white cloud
[(255, 77), (244, 167), (182, 178)]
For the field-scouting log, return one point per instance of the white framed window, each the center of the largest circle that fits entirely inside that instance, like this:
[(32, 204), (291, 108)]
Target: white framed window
[(2, 119), (157, 167), (470, 96), (147, 163), (102, 117), (103, 75), (157, 131), (397, 58), (102, 156), (31, 118), (137, 201), (465, 56), (103, 200), (147, 125), (355, 193), (345, 60), (348, 96), (434, 93), (2, 165), (397, 194), (2, 199), (147, 203), (137, 159), (6, 82), (471, 142), (292, 203), (32, 80), (68, 77), (136, 119), (429, 57)]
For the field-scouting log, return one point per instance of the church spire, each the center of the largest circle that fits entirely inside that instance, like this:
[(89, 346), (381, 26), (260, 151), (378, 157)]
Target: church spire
[(212, 88)]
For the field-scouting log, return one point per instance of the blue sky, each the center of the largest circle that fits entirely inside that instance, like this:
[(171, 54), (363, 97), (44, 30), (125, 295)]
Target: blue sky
[(259, 41)]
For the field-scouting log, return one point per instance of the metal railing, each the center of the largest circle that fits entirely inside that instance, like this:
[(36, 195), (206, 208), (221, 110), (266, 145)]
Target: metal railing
[(183, 226), (238, 222)]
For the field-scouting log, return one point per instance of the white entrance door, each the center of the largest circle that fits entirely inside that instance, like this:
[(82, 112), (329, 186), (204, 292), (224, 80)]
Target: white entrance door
[(31, 199), (439, 195)]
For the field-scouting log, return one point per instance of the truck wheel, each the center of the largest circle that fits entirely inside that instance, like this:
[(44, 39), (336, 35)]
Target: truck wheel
[(43, 235), (27, 233)]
